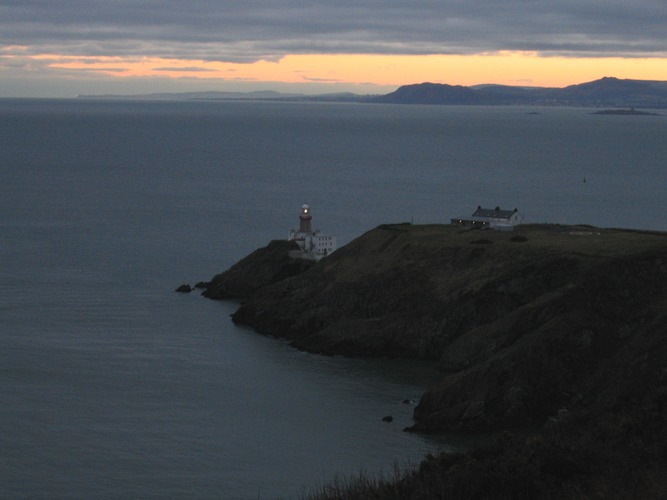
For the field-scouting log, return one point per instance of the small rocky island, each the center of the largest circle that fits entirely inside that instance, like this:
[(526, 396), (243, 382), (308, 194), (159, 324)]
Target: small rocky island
[(624, 112), (558, 333)]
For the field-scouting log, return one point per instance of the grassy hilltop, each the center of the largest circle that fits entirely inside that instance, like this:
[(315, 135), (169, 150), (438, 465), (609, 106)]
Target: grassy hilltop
[(562, 329)]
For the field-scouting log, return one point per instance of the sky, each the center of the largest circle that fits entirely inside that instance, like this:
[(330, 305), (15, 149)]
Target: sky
[(63, 48)]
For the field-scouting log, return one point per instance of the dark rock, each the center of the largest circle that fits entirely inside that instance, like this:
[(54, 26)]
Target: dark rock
[(184, 288), (261, 268), (388, 418)]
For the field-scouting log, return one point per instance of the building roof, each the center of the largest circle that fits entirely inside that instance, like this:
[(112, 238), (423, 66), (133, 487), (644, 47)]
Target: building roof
[(494, 213)]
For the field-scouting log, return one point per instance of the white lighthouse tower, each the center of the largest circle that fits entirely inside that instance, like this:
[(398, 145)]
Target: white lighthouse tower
[(312, 244)]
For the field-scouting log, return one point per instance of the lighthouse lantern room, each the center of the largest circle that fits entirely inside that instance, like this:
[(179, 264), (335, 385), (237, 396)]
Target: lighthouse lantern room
[(304, 219), (311, 244)]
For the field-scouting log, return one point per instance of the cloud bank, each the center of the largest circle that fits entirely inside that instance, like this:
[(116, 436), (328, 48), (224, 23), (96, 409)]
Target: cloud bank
[(254, 30)]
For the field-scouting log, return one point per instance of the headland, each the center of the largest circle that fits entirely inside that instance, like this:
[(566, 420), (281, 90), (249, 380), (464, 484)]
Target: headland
[(558, 329)]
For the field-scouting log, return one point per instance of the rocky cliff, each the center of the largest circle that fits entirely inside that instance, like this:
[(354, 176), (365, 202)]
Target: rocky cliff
[(529, 327), (261, 268)]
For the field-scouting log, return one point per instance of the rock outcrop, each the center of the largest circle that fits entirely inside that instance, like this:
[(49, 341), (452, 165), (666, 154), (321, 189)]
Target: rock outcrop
[(531, 325), (261, 268)]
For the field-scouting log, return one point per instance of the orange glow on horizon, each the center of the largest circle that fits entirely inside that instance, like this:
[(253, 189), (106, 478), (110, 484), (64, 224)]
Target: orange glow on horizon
[(510, 68)]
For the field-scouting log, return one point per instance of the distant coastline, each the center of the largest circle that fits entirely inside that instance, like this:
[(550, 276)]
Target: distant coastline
[(607, 92)]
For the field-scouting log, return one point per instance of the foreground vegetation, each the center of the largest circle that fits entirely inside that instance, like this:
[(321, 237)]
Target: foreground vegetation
[(616, 459)]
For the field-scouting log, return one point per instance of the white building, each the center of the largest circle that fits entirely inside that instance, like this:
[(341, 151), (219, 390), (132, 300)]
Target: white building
[(491, 217), (311, 243)]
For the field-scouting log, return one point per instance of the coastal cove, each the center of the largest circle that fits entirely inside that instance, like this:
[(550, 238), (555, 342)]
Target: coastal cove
[(550, 327)]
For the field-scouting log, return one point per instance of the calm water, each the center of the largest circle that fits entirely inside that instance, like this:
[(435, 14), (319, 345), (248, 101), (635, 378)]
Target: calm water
[(113, 385)]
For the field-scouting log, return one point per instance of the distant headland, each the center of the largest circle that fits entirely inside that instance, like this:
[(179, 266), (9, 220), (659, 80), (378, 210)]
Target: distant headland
[(606, 92), (557, 331)]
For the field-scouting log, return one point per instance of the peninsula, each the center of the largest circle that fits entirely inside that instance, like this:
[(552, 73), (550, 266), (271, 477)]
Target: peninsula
[(558, 329)]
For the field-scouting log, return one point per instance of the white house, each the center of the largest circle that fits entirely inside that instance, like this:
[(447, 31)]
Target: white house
[(312, 244), (501, 220)]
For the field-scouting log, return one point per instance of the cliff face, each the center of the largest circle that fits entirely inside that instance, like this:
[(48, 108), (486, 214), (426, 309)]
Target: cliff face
[(261, 268), (528, 326)]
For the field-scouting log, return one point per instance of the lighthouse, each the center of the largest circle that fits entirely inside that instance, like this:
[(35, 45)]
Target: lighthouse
[(304, 219), (310, 244)]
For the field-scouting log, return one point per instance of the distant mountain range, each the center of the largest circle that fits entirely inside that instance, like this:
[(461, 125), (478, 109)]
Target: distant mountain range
[(605, 92), (599, 93)]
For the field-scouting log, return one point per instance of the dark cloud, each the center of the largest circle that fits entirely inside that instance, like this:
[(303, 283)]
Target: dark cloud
[(250, 30), (191, 69)]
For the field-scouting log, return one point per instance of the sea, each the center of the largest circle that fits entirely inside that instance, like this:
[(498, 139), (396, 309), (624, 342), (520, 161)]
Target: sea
[(112, 385)]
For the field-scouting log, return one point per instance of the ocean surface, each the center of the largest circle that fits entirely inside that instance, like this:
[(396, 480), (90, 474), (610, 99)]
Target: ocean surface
[(113, 385)]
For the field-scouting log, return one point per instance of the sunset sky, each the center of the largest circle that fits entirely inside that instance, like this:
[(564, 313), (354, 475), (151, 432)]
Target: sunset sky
[(61, 48)]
